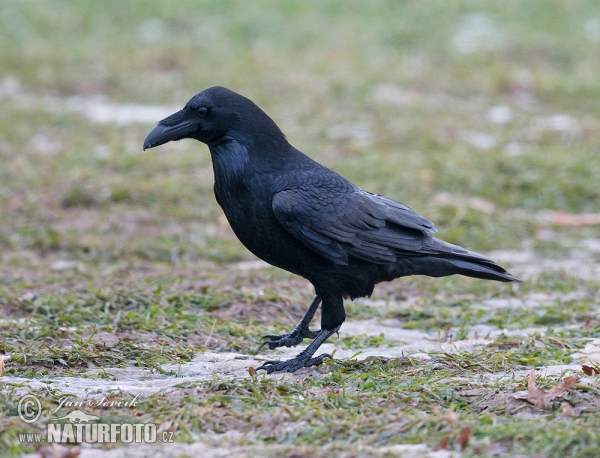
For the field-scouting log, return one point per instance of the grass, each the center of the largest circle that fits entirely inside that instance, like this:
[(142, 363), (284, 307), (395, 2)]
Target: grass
[(479, 115)]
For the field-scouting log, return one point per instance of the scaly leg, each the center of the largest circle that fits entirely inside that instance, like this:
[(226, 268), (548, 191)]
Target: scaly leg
[(300, 331), (304, 358)]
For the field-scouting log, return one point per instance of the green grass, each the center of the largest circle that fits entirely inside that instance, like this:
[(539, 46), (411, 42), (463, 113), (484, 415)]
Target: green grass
[(113, 258)]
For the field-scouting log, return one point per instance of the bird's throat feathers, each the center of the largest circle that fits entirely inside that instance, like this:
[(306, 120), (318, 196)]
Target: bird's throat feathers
[(229, 160), (232, 156)]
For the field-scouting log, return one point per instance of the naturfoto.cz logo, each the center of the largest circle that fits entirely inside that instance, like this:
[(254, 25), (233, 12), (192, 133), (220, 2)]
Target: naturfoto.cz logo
[(80, 427)]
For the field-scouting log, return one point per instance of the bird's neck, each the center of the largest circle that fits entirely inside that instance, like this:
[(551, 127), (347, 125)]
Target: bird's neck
[(238, 163), (229, 159)]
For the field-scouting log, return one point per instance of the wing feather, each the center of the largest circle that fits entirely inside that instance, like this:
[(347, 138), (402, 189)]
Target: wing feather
[(339, 224)]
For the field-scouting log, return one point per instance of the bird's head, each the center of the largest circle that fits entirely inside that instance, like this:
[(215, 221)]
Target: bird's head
[(211, 116)]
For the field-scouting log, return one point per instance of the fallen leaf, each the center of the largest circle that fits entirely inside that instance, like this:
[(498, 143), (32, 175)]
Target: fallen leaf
[(252, 371), (541, 398), (442, 444), (463, 437), (561, 388), (587, 370), (567, 410), (535, 395)]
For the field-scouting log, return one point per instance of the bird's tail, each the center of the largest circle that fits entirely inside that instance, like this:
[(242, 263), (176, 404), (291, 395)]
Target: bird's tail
[(447, 259), (442, 267)]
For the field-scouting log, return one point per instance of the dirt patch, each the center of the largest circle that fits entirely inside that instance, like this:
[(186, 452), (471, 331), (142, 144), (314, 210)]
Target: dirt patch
[(528, 263), (284, 311), (575, 402), (195, 339), (590, 354), (531, 300), (12, 310), (399, 290), (112, 338), (262, 280), (219, 448), (201, 339)]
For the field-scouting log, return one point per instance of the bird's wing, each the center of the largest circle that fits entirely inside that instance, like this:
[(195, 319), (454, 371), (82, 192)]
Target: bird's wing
[(350, 223)]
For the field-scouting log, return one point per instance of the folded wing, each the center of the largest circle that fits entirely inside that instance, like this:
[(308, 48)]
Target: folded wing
[(351, 224)]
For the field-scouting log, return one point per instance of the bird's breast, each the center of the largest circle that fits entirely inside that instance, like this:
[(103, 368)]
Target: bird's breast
[(249, 213)]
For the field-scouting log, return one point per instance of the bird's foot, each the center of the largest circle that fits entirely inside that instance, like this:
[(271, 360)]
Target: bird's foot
[(290, 339), (305, 358), (292, 365)]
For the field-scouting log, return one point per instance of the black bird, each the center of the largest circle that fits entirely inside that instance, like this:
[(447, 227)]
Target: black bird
[(298, 215)]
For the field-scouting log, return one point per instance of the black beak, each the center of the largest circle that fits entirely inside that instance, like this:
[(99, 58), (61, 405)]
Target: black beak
[(177, 126)]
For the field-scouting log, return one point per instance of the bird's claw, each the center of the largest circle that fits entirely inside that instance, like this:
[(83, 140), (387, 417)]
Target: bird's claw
[(290, 339), (292, 365), (270, 337)]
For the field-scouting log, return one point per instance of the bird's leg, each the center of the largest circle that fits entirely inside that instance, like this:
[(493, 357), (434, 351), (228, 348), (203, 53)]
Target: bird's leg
[(304, 358), (300, 331)]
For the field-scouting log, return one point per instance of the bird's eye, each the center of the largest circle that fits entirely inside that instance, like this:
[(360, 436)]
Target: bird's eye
[(202, 111)]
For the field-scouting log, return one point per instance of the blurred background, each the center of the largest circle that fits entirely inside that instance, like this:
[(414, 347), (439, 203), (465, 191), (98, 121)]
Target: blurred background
[(480, 115)]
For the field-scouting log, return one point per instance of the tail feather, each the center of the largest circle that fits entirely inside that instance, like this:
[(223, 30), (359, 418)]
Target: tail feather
[(484, 270), (469, 266), (444, 258)]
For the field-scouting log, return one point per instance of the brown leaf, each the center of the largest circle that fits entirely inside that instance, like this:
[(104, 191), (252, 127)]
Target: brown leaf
[(252, 371), (561, 388), (442, 444), (567, 410), (539, 397), (463, 437), (535, 395), (587, 370)]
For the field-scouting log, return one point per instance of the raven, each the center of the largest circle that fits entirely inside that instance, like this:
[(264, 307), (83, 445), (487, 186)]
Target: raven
[(297, 214)]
